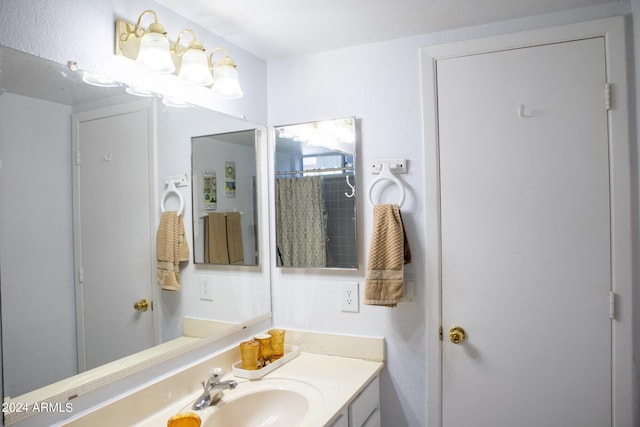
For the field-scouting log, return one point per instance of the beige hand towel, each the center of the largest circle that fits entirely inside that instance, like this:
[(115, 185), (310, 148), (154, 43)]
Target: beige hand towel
[(234, 238), (172, 248), (388, 252), (217, 238), (224, 238)]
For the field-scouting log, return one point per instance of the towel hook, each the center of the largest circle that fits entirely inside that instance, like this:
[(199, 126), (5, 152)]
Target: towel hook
[(387, 175), (353, 189), (171, 189), (521, 111)]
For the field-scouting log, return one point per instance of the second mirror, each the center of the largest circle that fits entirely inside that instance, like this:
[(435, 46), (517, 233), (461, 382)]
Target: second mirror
[(316, 194)]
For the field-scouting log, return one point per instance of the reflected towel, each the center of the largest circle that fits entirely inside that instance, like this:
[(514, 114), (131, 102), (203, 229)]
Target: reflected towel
[(388, 252), (234, 238), (224, 238), (217, 238), (171, 248)]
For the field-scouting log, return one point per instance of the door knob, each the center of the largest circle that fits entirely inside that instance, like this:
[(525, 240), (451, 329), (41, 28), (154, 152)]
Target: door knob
[(141, 305), (457, 335)]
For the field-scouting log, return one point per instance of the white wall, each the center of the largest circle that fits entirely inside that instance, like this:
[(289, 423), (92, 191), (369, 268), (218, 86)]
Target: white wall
[(380, 85), (33, 207)]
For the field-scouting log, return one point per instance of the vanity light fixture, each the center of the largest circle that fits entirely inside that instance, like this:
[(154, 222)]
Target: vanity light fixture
[(152, 49)]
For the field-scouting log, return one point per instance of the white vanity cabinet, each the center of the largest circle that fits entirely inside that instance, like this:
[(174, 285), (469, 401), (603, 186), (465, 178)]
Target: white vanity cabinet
[(342, 420), (364, 409)]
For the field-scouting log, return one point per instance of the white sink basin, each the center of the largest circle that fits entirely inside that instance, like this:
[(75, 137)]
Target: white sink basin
[(271, 402)]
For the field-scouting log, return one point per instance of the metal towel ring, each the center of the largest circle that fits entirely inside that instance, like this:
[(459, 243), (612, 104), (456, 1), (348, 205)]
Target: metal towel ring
[(387, 175), (171, 189)]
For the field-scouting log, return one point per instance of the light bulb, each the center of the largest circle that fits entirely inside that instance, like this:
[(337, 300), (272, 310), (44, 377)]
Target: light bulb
[(194, 69), (154, 55), (225, 82)]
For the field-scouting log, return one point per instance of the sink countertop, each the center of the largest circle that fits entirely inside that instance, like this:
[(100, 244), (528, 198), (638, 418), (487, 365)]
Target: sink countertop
[(339, 379), (339, 366)]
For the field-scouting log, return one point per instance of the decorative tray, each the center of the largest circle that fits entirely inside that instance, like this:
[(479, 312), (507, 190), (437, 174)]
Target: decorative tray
[(290, 352)]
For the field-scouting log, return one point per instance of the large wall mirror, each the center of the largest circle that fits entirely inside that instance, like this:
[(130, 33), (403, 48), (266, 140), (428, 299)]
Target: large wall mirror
[(225, 226), (41, 332), (316, 194)]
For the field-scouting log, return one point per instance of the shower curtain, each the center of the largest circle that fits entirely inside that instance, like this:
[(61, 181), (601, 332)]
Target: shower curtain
[(301, 225)]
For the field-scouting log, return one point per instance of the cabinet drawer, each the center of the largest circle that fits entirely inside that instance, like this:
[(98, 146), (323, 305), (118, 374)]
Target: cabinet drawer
[(364, 405)]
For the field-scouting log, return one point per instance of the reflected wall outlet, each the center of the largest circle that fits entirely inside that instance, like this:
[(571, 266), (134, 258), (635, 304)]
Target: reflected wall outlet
[(206, 287), (409, 287), (350, 303)]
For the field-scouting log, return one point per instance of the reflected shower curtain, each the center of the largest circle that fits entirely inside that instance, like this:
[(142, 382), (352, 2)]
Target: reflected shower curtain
[(301, 226)]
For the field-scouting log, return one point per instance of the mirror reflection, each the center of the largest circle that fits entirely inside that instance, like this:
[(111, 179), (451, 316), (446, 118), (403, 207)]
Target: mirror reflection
[(316, 194), (224, 198), (47, 324)]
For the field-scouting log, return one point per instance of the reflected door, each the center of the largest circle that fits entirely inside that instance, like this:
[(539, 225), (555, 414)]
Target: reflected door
[(525, 237), (113, 234)]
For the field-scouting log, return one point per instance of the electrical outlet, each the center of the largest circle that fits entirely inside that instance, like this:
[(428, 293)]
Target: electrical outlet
[(206, 287), (350, 301)]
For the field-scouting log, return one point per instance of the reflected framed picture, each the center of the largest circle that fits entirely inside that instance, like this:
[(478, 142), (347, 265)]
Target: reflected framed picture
[(230, 178), (209, 190)]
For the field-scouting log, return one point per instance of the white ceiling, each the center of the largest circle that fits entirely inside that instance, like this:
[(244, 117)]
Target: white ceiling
[(280, 28)]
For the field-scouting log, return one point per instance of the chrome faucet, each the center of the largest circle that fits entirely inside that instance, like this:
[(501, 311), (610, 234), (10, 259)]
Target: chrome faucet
[(213, 389)]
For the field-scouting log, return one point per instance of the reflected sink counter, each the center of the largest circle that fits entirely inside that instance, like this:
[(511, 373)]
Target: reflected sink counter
[(327, 374)]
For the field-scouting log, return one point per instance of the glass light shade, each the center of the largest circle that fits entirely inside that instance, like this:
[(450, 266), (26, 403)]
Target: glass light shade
[(174, 102), (225, 82), (98, 80), (154, 54), (139, 91), (194, 69)]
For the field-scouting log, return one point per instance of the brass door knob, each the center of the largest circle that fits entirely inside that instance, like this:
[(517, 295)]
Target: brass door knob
[(457, 335), (142, 305)]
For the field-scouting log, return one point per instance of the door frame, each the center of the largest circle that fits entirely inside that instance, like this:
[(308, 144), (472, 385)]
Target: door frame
[(613, 30), (148, 106)]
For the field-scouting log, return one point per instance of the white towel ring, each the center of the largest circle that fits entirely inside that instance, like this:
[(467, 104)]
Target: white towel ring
[(171, 189), (387, 175)]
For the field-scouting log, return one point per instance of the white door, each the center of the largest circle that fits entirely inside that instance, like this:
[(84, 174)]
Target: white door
[(524, 182), (113, 234)]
